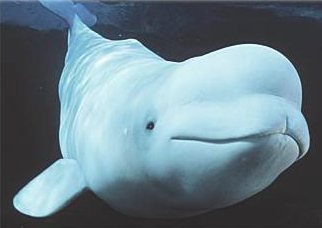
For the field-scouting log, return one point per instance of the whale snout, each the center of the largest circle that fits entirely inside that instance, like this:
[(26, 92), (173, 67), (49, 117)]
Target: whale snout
[(297, 129), (237, 93), (246, 118)]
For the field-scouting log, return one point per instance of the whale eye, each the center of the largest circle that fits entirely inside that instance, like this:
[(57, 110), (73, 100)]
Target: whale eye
[(150, 125)]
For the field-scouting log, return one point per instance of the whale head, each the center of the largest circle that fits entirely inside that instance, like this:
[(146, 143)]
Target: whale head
[(207, 133)]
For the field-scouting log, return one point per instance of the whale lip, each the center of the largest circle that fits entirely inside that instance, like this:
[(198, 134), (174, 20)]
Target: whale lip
[(243, 138), (222, 141), (299, 144)]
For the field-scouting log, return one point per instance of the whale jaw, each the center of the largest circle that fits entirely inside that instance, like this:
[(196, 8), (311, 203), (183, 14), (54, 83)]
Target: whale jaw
[(212, 176)]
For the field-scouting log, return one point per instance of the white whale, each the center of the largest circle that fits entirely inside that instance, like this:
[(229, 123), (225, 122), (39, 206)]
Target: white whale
[(162, 139)]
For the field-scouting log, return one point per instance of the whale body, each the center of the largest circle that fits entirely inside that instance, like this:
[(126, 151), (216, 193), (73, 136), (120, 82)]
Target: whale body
[(161, 139)]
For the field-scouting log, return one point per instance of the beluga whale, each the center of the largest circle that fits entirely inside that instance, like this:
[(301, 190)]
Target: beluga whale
[(161, 139)]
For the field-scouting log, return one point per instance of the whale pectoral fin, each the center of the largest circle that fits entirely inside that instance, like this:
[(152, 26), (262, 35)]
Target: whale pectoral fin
[(51, 190)]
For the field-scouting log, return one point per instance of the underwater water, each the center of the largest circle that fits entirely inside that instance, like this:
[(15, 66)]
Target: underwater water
[(32, 57)]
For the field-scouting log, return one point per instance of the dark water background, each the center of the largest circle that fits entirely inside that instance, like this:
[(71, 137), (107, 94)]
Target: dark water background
[(31, 62)]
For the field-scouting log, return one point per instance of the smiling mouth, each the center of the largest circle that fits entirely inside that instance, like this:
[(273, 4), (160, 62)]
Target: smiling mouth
[(232, 140), (222, 141)]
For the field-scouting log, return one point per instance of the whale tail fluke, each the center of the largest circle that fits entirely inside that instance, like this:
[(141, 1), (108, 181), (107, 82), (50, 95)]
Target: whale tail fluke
[(67, 10), (51, 190)]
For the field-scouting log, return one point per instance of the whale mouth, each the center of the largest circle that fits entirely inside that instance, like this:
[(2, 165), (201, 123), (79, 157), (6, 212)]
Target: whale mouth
[(237, 139), (221, 141), (258, 116)]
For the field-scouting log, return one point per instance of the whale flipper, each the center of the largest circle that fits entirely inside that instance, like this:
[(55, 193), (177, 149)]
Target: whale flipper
[(51, 190)]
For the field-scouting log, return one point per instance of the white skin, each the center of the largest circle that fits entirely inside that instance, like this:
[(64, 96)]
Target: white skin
[(180, 139), (161, 139)]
